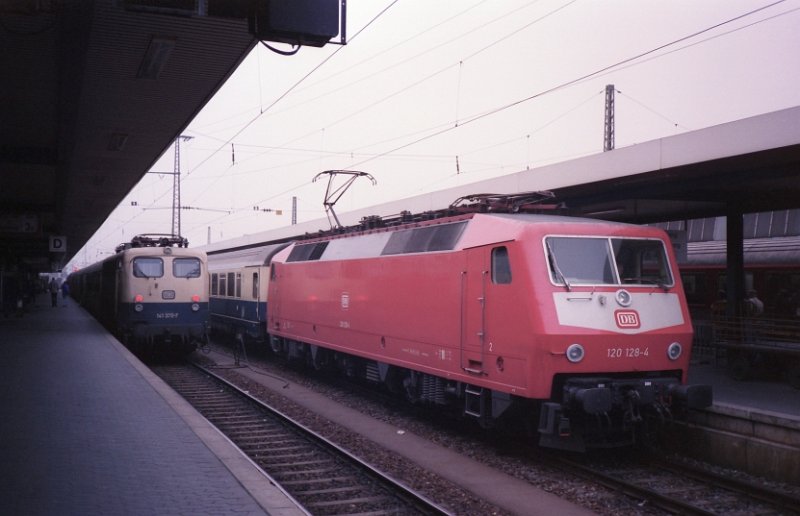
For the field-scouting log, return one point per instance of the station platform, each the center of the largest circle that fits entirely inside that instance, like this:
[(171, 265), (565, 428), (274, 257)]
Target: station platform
[(765, 394), (87, 429)]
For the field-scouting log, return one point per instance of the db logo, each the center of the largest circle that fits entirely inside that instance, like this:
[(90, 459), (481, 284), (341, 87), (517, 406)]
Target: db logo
[(627, 318)]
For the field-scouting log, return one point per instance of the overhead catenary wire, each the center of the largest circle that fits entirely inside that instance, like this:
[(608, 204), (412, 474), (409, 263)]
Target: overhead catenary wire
[(628, 61), (571, 82), (639, 58)]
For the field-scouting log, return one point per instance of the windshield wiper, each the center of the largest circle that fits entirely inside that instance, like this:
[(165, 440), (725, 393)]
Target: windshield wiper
[(553, 261)]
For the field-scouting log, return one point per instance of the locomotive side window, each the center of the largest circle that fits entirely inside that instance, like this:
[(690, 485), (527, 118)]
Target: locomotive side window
[(255, 285), (305, 252), (501, 266), (146, 267), (186, 267), (426, 239), (238, 284), (214, 279)]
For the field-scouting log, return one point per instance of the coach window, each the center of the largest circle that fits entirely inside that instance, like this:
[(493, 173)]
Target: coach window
[(146, 267), (501, 266), (222, 283), (186, 267), (255, 285), (231, 284), (238, 284), (214, 284)]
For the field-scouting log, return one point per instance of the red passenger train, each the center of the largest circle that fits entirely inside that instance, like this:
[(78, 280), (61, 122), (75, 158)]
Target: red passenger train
[(580, 326)]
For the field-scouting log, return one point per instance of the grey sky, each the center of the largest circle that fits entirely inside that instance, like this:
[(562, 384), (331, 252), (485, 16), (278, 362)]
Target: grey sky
[(435, 94)]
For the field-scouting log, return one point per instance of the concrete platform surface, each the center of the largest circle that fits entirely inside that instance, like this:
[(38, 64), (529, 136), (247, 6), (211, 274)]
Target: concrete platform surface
[(87, 429)]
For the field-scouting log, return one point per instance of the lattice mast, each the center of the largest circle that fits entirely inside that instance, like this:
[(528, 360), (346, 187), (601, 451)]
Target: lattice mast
[(608, 137), (176, 187)]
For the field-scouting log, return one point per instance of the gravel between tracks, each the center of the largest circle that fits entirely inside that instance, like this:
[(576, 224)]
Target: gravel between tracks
[(445, 493)]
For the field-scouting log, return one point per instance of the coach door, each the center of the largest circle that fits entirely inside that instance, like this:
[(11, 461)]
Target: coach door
[(474, 281)]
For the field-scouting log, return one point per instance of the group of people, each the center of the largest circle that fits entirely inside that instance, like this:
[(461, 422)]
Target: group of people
[(752, 305), (53, 288)]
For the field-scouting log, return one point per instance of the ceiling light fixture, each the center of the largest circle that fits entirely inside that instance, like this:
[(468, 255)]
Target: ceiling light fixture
[(156, 57)]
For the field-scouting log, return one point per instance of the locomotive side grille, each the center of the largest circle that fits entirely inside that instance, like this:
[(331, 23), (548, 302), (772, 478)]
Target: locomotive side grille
[(372, 373), (433, 389)]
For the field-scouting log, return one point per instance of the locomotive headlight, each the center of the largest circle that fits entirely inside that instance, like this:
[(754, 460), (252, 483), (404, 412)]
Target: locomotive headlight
[(195, 303), (674, 351), (195, 307), (623, 297), (575, 353), (138, 307)]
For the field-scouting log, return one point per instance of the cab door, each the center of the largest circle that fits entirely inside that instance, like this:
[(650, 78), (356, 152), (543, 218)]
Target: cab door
[(474, 280)]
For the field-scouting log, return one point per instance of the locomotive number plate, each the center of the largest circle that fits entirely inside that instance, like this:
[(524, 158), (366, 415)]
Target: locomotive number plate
[(628, 352)]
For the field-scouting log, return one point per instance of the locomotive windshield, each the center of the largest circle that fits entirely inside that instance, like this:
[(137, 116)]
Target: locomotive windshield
[(607, 261), (186, 267), (147, 267)]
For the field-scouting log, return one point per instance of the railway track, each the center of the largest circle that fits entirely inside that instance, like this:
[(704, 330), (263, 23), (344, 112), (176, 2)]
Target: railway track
[(322, 477), (677, 487), (647, 486)]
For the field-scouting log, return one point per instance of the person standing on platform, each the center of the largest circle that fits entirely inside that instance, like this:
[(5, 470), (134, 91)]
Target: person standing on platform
[(753, 306), (65, 292), (53, 288)]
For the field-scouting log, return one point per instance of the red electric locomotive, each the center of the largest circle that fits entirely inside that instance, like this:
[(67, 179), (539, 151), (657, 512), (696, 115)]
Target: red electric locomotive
[(580, 324)]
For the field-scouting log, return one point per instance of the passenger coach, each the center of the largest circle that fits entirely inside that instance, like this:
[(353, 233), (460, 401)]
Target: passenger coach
[(238, 286)]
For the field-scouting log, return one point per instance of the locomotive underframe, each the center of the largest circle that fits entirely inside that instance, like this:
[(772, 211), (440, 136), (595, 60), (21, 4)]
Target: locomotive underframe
[(485, 405), (612, 411), (147, 338), (587, 412)]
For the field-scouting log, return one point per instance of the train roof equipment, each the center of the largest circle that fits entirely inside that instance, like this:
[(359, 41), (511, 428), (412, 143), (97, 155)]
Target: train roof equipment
[(522, 202), (153, 240)]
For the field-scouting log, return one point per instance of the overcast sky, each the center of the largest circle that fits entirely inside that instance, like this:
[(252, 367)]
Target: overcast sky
[(430, 94)]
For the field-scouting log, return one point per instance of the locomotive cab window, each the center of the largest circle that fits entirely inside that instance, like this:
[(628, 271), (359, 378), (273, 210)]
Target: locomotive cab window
[(186, 267), (147, 267), (607, 261), (501, 266), (641, 261)]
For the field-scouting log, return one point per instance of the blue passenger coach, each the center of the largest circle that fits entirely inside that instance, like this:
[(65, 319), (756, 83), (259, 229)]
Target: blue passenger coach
[(239, 281)]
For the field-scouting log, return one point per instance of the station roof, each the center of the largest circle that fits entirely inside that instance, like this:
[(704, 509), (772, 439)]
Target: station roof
[(93, 93), (745, 166)]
